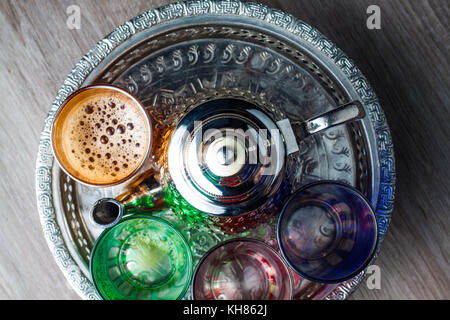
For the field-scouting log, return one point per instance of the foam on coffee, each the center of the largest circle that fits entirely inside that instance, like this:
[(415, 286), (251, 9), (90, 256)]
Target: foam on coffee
[(105, 137)]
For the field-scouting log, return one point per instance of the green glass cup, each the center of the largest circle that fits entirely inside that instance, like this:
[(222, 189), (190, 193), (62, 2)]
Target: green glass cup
[(141, 258)]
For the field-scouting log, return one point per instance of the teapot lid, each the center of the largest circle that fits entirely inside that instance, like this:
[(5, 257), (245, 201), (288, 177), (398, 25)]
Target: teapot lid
[(226, 157)]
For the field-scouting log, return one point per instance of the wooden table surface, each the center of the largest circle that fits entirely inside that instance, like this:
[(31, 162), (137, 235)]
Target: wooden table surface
[(406, 61)]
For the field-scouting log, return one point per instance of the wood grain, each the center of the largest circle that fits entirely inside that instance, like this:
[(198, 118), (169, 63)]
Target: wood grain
[(407, 63)]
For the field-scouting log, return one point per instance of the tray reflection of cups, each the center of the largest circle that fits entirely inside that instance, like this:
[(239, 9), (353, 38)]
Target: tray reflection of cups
[(242, 269), (327, 232), (141, 258)]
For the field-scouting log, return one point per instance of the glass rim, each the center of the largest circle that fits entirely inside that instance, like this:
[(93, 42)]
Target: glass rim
[(239, 239), (113, 88), (137, 216), (370, 256)]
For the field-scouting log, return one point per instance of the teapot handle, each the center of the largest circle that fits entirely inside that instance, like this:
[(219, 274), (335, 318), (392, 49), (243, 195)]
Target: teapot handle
[(348, 112)]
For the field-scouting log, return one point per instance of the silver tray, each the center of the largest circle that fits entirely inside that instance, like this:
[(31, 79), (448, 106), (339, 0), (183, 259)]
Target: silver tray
[(182, 52)]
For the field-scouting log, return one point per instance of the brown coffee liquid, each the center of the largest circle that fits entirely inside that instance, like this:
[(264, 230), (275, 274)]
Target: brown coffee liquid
[(105, 137)]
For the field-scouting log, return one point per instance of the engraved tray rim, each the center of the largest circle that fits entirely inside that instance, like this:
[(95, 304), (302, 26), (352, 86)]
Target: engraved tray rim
[(274, 18)]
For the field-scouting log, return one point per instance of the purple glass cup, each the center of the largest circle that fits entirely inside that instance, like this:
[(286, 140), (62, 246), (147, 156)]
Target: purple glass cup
[(242, 269), (327, 232)]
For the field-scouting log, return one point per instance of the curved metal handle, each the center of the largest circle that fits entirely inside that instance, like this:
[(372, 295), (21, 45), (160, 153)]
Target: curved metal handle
[(345, 113)]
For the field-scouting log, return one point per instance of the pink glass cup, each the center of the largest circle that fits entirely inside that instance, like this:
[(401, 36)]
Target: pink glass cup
[(242, 269)]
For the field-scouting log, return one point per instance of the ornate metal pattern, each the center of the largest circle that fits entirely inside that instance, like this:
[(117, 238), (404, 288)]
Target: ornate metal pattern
[(147, 20)]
